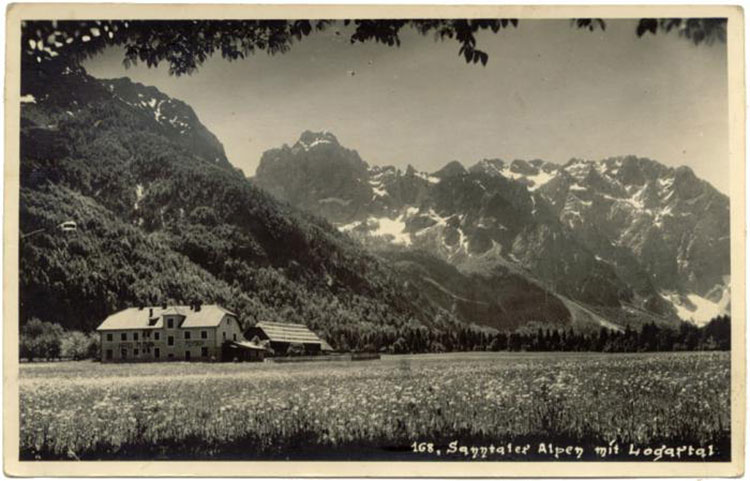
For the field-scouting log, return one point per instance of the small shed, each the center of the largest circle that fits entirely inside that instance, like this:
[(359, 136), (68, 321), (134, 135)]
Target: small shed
[(243, 351), (281, 336)]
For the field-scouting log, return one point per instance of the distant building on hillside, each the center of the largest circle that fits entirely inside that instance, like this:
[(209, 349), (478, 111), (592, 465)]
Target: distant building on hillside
[(281, 336), (175, 333)]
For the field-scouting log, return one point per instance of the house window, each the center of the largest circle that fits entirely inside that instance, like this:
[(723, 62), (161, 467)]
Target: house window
[(204, 334), (170, 323), (109, 354), (224, 336), (204, 352), (156, 336), (187, 334), (124, 353), (135, 336), (135, 352), (156, 352), (170, 340), (109, 337), (170, 355), (187, 355), (234, 337), (124, 336)]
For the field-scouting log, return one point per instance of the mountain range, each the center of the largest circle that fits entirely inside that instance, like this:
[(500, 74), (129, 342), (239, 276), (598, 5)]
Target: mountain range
[(626, 237), (365, 255)]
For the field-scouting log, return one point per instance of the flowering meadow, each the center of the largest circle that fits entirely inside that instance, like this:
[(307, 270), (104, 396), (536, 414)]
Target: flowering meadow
[(371, 409)]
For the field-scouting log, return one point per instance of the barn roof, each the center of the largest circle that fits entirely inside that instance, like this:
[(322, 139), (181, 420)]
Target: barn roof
[(285, 332), (136, 318)]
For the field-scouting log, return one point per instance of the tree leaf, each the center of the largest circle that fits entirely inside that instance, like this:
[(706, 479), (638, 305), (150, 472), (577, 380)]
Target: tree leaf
[(483, 57)]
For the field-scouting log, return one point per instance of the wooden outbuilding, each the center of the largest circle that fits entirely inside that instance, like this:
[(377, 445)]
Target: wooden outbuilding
[(244, 351), (287, 338)]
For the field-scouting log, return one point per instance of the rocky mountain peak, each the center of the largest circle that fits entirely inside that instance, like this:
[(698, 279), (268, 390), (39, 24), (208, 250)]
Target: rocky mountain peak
[(523, 167), (488, 166), (174, 117), (319, 173), (451, 169), (309, 140), (687, 185)]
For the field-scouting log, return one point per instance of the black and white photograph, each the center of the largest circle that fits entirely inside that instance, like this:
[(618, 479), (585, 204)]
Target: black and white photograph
[(498, 238)]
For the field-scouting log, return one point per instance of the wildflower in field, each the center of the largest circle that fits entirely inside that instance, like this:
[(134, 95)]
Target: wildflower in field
[(634, 398)]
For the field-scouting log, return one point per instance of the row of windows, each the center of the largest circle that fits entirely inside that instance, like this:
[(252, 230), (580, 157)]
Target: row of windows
[(157, 353), (147, 335)]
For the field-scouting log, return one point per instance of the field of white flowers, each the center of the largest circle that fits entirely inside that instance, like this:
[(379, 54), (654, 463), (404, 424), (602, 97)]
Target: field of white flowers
[(369, 410)]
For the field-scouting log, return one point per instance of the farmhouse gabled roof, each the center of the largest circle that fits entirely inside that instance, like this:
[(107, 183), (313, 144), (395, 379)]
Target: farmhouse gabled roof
[(285, 332), (136, 318)]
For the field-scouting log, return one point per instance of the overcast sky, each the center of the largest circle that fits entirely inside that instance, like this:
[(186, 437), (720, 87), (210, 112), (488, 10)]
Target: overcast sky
[(548, 91)]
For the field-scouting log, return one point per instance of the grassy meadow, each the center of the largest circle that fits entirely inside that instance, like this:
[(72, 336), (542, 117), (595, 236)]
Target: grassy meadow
[(373, 409)]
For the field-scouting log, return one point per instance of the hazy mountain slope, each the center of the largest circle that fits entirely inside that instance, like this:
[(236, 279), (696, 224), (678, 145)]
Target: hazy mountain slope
[(500, 300)]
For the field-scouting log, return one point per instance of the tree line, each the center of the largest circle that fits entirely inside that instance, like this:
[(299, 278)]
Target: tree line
[(41, 340), (715, 335)]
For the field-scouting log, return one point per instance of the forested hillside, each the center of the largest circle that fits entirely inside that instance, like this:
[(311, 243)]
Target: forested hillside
[(162, 216), (160, 221)]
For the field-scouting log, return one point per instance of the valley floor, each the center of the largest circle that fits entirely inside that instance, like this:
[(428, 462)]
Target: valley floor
[(382, 410)]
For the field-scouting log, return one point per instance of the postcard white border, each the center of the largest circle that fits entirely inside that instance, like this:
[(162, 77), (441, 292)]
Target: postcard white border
[(735, 52)]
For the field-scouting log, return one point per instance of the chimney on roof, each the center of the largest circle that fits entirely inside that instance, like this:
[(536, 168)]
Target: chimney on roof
[(197, 306), (164, 305), (150, 312)]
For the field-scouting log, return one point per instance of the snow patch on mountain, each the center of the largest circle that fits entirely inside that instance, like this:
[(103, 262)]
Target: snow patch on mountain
[(309, 140), (534, 174), (429, 178), (316, 143), (694, 308), (391, 229), (387, 227), (439, 221), (540, 179), (578, 169), (377, 189), (157, 111)]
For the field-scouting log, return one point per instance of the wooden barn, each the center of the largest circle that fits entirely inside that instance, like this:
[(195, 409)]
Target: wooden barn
[(285, 338)]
